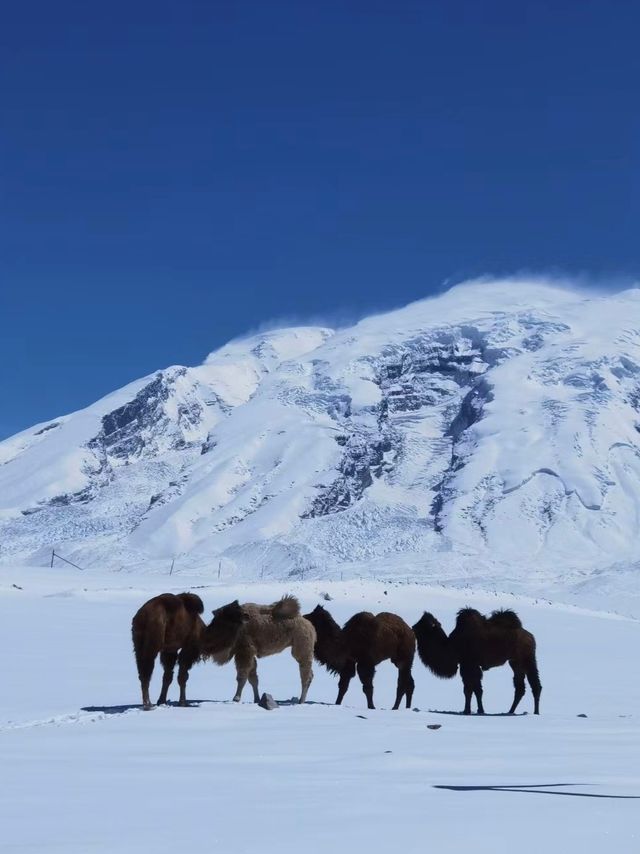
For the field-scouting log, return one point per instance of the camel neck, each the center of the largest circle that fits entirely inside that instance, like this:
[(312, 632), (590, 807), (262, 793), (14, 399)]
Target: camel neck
[(330, 645)]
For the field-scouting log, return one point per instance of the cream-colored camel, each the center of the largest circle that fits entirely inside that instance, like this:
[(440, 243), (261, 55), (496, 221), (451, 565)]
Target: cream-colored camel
[(248, 632)]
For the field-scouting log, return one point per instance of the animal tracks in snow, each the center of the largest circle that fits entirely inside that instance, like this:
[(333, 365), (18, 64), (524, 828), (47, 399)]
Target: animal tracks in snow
[(90, 714)]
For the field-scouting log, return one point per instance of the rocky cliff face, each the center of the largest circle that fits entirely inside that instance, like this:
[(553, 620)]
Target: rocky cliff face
[(500, 420)]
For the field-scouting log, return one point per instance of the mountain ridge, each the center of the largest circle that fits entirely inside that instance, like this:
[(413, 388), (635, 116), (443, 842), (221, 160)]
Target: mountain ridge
[(497, 422)]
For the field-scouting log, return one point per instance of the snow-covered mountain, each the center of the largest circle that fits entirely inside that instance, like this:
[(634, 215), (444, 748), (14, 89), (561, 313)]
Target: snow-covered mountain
[(497, 423)]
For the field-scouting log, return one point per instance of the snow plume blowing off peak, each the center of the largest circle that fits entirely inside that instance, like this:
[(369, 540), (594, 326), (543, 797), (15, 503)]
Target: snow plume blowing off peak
[(494, 425)]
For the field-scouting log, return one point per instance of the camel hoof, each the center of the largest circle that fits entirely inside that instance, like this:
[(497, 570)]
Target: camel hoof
[(147, 707), (236, 700)]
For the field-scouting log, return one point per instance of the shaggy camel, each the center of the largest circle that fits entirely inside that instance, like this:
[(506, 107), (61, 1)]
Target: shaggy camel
[(365, 641), (478, 643), (248, 632), (170, 625)]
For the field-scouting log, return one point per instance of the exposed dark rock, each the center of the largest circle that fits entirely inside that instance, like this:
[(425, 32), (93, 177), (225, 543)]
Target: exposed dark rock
[(208, 445), (420, 373), (469, 413), (267, 702), (83, 496), (46, 428)]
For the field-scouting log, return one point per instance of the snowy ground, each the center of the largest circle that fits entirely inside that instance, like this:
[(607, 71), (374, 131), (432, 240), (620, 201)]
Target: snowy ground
[(84, 770)]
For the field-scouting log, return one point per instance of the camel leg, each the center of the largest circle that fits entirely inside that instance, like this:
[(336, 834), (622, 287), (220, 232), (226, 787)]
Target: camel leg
[(168, 661), (306, 677), (405, 684), (186, 659), (518, 684), (302, 652), (346, 675), (472, 682), (400, 689), (410, 685), (145, 661), (366, 673), (536, 687), (253, 680), (244, 664)]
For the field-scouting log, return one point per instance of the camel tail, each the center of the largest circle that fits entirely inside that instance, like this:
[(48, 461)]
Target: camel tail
[(147, 638), (141, 655), (192, 603), (506, 618), (285, 608)]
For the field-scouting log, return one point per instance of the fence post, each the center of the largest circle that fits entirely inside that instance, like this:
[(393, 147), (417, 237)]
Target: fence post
[(172, 563), (53, 554)]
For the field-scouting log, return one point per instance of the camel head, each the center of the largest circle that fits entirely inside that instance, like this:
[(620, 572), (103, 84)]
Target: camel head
[(323, 623), (219, 637), (231, 613), (428, 624), (320, 618)]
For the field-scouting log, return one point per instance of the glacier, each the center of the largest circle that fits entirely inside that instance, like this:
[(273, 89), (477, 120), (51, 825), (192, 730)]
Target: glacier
[(492, 430)]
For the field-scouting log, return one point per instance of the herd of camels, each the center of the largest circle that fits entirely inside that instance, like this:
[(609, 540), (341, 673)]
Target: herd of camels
[(171, 625)]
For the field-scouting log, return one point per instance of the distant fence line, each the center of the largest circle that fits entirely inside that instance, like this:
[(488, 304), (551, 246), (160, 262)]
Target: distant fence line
[(301, 573), (54, 555)]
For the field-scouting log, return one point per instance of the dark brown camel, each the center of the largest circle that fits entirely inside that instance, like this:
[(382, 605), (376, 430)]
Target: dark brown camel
[(169, 625), (365, 641), (478, 643)]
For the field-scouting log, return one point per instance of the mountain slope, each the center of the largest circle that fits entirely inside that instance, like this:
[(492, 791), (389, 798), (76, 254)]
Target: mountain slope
[(498, 422)]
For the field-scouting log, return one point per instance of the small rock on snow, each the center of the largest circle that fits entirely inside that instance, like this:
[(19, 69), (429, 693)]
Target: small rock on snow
[(267, 702)]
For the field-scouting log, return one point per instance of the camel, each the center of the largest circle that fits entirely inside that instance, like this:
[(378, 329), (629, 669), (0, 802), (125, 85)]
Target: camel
[(364, 642), (170, 625), (478, 643), (249, 631)]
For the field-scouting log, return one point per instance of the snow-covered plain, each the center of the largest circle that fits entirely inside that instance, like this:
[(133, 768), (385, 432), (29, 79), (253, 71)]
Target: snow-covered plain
[(85, 770)]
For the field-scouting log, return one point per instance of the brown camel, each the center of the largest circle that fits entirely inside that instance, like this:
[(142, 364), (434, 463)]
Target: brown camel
[(170, 625), (364, 642), (248, 632), (478, 643)]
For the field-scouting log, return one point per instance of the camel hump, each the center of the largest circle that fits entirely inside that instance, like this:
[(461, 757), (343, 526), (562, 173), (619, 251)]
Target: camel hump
[(359, 620), (468, 616), (191, 602), (285, 608), (506, 618), (169, 601)]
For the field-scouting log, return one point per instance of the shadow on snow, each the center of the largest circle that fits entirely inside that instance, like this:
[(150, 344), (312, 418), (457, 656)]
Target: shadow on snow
[(537, 789)]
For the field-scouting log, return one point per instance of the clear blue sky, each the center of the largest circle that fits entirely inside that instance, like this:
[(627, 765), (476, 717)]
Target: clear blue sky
[(174, 173)]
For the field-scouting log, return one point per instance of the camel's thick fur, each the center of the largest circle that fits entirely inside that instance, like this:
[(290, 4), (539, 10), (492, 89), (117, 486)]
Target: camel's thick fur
[(365, 641), (478, 643), (248, 632), (170, 625)]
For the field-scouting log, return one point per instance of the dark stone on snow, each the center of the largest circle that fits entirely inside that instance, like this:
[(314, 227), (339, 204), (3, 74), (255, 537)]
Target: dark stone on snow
[(267, 702)]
